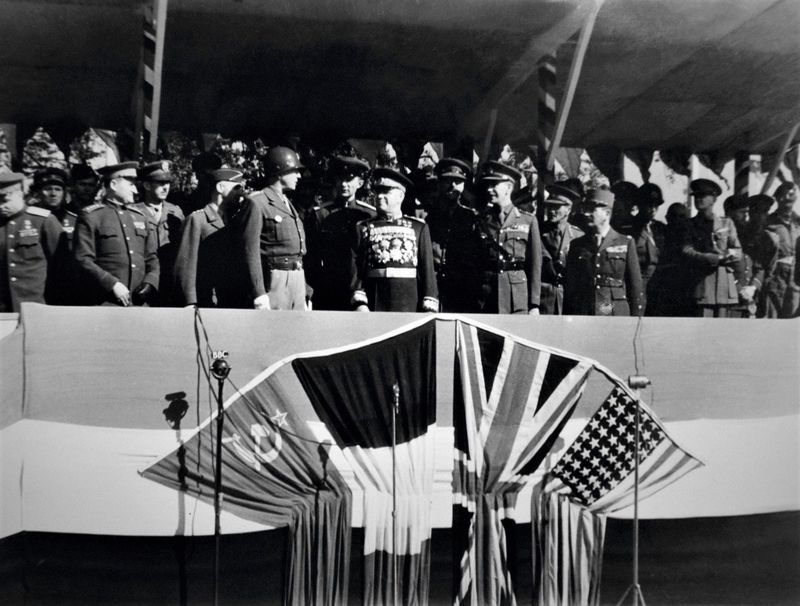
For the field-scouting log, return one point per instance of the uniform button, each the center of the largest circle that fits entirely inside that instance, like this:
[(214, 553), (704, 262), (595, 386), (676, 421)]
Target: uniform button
[(11, 250), (130, 251), (13, 279), (598, 287), (132, 265), (119, 211), (13, 222), (12, 264), (10, 236)]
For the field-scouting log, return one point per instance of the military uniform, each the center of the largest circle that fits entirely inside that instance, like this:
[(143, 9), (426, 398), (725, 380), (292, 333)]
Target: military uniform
[(781, 293), (458, 274), (113, 244), (556, 242), (604, 279), (166, 227), (29, 243), (392, 266), (509, 261), (714, 285), (331, 228), (274, 242)]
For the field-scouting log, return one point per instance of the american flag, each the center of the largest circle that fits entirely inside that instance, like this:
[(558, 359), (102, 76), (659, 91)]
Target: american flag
[(597, 470)]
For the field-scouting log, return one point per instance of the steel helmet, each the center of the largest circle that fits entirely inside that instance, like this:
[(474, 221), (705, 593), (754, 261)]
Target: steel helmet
[(280, 160)]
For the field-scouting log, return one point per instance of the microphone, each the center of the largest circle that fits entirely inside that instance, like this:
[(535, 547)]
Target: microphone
[(220, 369)]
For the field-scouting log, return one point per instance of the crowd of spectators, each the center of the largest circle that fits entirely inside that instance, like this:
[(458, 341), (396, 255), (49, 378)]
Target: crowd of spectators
[(334, 231)]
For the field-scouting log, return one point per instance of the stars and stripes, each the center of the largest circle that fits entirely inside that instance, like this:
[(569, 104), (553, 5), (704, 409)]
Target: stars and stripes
[(598, 467)]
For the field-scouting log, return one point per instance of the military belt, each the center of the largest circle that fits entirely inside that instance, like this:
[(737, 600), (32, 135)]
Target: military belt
[(286, 263), (502, 266), (392, 272), (609, 282)]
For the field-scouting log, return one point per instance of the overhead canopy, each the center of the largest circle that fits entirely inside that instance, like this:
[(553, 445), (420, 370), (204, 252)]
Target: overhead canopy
[(712, 75)]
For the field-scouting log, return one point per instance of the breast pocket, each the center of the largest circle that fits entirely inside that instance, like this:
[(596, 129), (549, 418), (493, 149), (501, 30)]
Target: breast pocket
[(272, 228), (28, 248)]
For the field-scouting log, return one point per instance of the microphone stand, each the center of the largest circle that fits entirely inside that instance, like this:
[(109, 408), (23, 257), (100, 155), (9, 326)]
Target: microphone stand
[(395, 410), (220, 369), (637, 383)]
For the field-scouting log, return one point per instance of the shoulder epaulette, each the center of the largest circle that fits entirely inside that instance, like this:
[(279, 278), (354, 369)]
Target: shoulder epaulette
[(366, 205), (133, 208), (93, 207), (417, 219), (522, 211), (38, 211), (469, 208)]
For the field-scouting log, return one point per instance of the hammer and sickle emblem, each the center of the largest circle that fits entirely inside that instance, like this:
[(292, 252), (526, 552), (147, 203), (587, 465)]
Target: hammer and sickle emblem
[(257, 455)]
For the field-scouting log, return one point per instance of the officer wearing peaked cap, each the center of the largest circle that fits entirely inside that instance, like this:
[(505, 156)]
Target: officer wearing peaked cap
[(330, 228), (113, 247), (452, 176), (30, 238), (391, 265), (602, 276), (208, 272), (272, 238), (781, 292), (166, 221), (713, 254), (557, 236)]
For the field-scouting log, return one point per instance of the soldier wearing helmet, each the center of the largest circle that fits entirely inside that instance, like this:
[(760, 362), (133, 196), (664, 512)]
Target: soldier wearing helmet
[(271, 236)]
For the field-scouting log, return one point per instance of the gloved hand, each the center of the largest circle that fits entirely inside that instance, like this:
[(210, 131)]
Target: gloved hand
[(144, 294)]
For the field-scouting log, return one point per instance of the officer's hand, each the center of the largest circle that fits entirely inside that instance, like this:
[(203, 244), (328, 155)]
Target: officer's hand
[(143, 294), (121, 294), (190, 306), (533, 311), (362, 308), (261, 302), (747, 294), (309, 305)]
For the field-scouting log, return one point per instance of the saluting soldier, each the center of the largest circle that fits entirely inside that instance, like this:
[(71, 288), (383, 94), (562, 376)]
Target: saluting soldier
[(713, 253), (391, 259), (207, 265), (602, 276), (330, 227), (557, 235), (113, 247), (30, 238), (165, 219), (509, 254), (272, 237)]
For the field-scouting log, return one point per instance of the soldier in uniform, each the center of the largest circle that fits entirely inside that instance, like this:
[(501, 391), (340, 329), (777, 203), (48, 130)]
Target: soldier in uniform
[(165, 219), (83, 180), (391, 260), (781, 292), (557, 235), (737, 208), (30, 238), (113, 247), (713, 253), (330, 228), (647, 233), (602, 276), (206, 262), (452, 175), (509, 253), (272, 238)]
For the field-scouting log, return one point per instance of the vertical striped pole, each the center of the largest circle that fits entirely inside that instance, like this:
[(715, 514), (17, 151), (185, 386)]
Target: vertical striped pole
[(153, 31), (546, 121)]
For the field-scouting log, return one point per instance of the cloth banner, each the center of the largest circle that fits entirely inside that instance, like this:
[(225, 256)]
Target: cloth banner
[(280, 465), (677, 160), (570, 160), (510, 401), (356, 393), (642, 158)]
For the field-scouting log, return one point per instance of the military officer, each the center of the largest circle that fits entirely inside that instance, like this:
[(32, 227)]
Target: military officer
[(272, 238), (713, 253), (509, 254), (84, 181), (50, 186), (113, 247), (165, 219), (781, 293), (647, 232), (330, 228), (30, 238), (452, 175), (602, 276), (391, 260), (737, 209), (557, 235), (206, 262)]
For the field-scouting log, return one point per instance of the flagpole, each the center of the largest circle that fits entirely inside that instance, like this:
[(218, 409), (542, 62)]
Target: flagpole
[(395, 410), (637, 383), (219, 370)]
